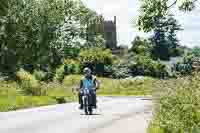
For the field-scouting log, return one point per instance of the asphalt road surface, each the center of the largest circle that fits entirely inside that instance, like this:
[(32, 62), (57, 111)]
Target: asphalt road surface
[(114, 115)]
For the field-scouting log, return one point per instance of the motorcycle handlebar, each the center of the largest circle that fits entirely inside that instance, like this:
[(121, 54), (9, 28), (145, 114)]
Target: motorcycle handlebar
[(88, 89)]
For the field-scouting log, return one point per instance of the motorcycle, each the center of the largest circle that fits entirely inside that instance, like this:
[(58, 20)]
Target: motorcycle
[(87, 101)]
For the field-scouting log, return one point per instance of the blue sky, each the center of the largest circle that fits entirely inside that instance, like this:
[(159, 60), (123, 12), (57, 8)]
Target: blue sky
[(127, 12)]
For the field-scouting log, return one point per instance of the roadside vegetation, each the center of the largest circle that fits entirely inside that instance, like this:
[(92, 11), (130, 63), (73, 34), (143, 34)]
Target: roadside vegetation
[(177, 106), (31, 92)]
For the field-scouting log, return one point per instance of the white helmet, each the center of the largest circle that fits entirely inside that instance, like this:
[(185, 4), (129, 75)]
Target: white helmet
[(87, 70)]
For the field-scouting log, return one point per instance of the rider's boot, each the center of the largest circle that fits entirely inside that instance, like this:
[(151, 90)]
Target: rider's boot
[(94, 101), (80, 101), (81, 106)]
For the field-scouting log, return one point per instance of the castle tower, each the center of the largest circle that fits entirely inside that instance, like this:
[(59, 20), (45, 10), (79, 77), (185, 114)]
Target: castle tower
[(110, 33)]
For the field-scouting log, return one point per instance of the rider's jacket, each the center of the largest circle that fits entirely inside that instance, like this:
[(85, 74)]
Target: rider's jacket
[(88, 83)]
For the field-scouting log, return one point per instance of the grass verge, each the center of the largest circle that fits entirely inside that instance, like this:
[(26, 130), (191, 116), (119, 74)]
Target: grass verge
[(13, 96)]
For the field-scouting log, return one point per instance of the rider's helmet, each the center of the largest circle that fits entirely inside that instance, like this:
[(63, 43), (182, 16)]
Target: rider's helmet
[(87, 71)]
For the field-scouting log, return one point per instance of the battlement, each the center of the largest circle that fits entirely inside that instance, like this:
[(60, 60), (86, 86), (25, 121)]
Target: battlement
[(114, 22), (109, 22)]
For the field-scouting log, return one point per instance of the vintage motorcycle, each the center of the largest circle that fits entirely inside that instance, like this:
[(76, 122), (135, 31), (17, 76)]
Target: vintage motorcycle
[(87, 101)]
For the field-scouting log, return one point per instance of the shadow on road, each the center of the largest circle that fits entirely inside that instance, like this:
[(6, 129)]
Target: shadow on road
[(92, 114)]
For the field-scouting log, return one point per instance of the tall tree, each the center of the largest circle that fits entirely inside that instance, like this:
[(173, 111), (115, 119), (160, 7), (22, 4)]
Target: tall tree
[(141, 46), (151, 10), (42, 31), (155, 17)]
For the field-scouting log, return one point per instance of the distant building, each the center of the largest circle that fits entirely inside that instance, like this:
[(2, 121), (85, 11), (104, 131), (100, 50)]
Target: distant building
[(110, 33)]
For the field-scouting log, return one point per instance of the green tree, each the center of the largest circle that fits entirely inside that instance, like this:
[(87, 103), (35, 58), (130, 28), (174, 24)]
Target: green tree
[(141, 46), (156, 18), (96, 59), (151, 10), (172, 37), (196, 51), (43, 32)]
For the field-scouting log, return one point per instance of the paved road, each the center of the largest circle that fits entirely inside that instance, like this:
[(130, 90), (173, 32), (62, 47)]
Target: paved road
[(115, 114)]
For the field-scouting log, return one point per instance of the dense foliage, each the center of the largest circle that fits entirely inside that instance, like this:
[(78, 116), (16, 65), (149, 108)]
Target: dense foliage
[(142, 47), (153, 10), (184, 67), (96, 59), (142, 61), (177, 108), (157, 18), (45, 32), (195, 51), (189, 63), (144, 65)]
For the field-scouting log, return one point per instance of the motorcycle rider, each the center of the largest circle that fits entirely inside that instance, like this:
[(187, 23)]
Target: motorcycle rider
[(90, 82)]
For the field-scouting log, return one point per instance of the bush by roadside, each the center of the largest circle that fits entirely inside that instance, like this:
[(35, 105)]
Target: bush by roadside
[(130, 86), (177, 106), (26, 93)]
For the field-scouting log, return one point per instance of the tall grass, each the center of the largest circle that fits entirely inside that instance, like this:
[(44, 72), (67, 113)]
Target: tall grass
[(126, 86), (177, 109), (28, 83), (108, 86), (29, 92)]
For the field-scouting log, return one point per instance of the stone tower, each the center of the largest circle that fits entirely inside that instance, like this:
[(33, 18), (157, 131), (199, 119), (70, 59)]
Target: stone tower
[(110, 34)]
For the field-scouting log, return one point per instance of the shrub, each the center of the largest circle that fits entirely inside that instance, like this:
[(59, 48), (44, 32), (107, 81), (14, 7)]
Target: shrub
[(142, 46), (176, 52), (196, 51), (40, 75), (60, 92), (144, 65), (130, 86), (120, 71), (72, 66), (60, 100), (177, 108), (28, 83), (108, 70), (72, 80), (135, 65), (8, 88), (185, 66), (60, 73), (96, 59), (96, 56)]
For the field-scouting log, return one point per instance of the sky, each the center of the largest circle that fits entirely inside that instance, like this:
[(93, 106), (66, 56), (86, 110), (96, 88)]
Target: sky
[(127, 12)]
